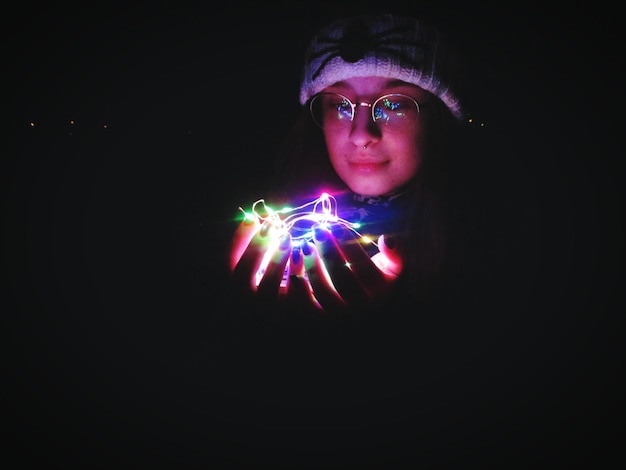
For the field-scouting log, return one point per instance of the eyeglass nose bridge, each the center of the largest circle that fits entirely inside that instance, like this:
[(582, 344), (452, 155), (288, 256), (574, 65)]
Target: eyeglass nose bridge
[(367, 105)]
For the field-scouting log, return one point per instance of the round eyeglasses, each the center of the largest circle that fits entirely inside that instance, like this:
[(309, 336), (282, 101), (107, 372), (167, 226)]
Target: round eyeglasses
[(395, 112)]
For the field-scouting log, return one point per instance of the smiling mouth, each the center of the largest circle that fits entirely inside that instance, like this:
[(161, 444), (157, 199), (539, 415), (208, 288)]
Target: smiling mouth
[(366, 167)]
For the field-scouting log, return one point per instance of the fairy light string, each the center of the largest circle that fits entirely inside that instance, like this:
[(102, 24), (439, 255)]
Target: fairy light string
[(300, 221)]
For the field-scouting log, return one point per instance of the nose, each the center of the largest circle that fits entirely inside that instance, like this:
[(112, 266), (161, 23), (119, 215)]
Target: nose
[(364, 131)]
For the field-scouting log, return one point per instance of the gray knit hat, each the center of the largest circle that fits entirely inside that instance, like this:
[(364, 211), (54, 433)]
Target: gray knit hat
[(381, 46)]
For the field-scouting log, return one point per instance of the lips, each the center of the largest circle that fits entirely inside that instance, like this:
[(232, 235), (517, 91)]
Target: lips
[(367, 166)]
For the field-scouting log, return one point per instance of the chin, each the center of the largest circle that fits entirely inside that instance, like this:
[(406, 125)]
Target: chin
[(369, 190)]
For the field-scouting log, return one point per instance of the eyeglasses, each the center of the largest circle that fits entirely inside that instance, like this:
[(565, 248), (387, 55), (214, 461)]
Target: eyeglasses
[(395, 112)]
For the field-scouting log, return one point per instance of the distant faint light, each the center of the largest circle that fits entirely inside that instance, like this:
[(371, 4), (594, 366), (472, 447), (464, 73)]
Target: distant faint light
[(31, 124), (106, 126), (471, 121), (72, 122)]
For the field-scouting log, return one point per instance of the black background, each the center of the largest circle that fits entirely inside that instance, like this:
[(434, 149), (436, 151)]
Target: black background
[(115, 346)]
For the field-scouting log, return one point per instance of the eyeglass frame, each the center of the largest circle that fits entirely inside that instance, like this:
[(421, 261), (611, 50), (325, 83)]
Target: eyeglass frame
[(371, 105)]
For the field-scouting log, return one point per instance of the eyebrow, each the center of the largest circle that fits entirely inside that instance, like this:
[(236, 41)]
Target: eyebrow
[(399, 83)]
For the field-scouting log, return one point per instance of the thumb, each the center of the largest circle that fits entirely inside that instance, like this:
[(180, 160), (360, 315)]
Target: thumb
[(389, 259)]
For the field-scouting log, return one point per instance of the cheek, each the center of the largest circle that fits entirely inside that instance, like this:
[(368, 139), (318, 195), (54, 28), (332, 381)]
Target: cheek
[(333, 140), (404, 170), (409, 157), (333, 147), (411, 166)]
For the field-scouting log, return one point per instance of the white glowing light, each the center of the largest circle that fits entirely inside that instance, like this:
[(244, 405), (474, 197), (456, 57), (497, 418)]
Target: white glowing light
[(299, 222), (271, 247)]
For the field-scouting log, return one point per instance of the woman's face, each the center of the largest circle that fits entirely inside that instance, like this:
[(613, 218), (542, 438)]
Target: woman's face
[(371, 158)]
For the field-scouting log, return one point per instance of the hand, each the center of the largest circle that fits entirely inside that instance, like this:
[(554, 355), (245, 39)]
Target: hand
[(351, 273), (251, 243), (333, 272)]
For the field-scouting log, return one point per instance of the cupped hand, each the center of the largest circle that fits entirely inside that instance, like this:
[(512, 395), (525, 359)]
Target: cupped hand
[(356, 277), (331, 272)]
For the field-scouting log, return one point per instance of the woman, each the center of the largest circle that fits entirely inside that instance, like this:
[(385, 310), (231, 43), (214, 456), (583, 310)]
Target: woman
[(367, 160)]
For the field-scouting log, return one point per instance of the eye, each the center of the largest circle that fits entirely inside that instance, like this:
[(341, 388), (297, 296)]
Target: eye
[(393, 103), (341, 106), (394, 106), (331, 109)]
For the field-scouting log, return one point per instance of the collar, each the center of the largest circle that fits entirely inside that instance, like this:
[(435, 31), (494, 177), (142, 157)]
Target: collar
[(376, 200)]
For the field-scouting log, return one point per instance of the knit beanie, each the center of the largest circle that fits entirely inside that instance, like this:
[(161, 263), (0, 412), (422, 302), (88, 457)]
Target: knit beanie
[(379, 46)]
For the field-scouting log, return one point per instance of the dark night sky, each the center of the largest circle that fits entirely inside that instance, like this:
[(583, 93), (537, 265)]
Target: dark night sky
[(113, 236)]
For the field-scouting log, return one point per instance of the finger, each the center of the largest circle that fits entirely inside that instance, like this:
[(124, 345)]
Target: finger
[(321, 285), (300, 296), (296, 261), (365, 270), (299, 292), (244, 272), (248, 227), (343, 278), (270, 283), (389, 259)]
